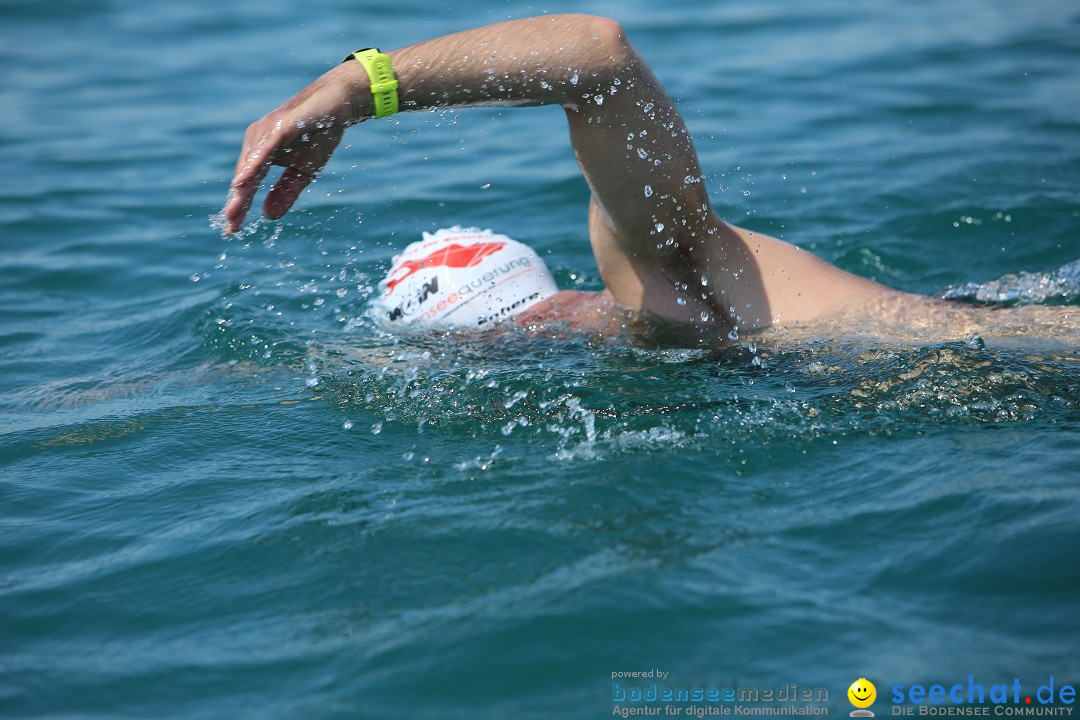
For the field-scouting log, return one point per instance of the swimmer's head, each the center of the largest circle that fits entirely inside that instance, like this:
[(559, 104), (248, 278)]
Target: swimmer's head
[(461, 278)]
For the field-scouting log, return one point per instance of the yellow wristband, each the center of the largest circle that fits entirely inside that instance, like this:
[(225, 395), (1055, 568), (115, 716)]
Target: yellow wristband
[(384, 85)]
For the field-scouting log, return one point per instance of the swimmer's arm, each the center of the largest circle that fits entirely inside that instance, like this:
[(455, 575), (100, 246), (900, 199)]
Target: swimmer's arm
[(581, 62), (527, 62)]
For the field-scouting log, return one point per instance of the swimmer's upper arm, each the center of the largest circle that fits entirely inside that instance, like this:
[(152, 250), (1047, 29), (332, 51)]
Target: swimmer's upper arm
[(659, 245)]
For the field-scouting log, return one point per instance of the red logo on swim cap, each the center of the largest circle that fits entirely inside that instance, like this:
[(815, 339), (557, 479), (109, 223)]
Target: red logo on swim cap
[(455, 256)]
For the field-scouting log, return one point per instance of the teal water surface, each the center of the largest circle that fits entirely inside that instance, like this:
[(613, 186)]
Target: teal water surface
[(224, 493)]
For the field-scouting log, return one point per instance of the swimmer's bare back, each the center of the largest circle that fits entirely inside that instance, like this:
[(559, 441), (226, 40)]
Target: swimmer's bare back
[(680, 273)]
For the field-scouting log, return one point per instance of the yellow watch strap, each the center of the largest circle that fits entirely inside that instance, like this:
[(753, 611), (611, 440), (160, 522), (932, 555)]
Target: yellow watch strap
[(384, 85)]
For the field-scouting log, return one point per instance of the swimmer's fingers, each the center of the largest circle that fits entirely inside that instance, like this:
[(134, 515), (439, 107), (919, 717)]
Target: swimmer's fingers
[(299, 136), (302, 155), (300, 171), (256, 157)]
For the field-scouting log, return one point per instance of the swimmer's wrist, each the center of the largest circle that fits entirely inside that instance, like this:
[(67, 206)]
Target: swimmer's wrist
[(355, 86), (382, 100)]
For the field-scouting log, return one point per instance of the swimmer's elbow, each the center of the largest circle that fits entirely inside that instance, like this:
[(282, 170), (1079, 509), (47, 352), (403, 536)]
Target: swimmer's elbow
[(606, 31), (602, 38), (610, 38)]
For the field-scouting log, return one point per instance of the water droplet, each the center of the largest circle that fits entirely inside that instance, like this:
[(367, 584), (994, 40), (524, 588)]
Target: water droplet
[(599, 99), (733, 335), (376, 428), (485, 186), (347, 425), (680, 301), (648, 193), (574, 79), (660, 227)]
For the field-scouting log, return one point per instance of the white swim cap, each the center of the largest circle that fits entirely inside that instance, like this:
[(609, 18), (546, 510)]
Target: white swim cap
[(462, 277)]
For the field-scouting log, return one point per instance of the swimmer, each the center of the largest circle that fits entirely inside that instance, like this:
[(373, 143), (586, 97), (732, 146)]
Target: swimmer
[(675, 273)]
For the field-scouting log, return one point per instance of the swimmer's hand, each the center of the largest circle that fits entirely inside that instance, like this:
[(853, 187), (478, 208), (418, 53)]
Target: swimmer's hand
[(300, 136)]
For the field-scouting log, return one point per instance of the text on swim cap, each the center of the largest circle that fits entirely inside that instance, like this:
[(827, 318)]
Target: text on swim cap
[(409, 306)]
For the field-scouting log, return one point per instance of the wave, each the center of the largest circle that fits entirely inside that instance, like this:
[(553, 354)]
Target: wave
[(1023, 288)]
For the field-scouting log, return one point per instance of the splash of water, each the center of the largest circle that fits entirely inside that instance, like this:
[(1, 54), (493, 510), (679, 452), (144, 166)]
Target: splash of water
[(1061, 285)]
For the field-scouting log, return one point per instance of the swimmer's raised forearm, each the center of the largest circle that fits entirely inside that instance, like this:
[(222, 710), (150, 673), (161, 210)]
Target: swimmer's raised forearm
[(553, 59), (537, 60)]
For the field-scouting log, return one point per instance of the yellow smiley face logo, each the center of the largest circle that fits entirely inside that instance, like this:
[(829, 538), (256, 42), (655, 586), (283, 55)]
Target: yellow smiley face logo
[(862, 693)]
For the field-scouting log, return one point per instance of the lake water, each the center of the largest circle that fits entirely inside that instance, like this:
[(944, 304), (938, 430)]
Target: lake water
[(223, 493)]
